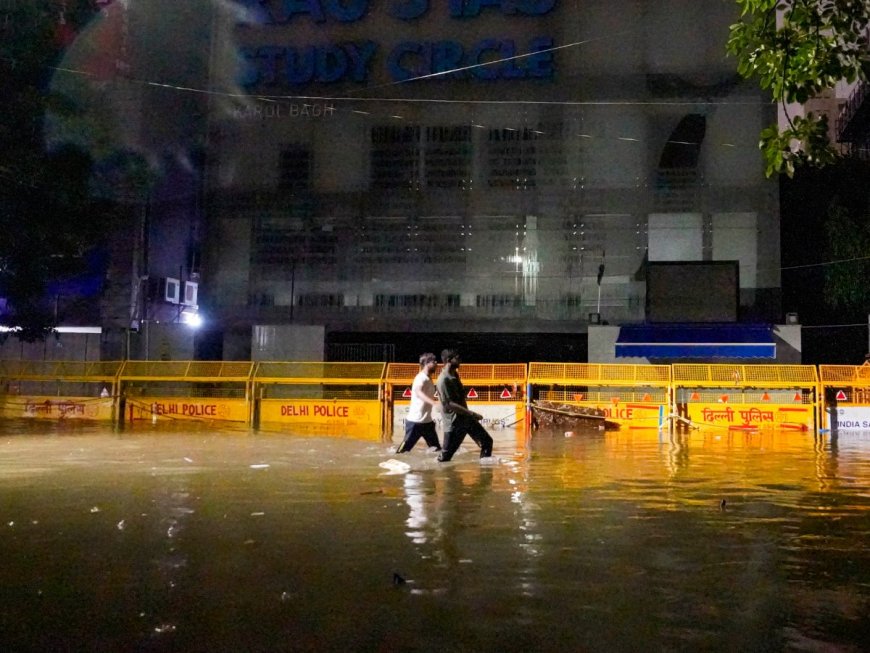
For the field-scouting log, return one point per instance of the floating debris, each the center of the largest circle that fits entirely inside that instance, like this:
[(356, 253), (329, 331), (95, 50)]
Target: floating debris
[(95, 509), (549, 414), (260, 466), (122, 525), (398, 580), (396, 466), (164, 628)]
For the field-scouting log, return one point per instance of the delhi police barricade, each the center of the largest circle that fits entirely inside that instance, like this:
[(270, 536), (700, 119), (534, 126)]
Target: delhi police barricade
[(155, 391), (371, 399), (633, 396), (496, 391), (319, 398), (58, 390), (846, 394), (747, 397)]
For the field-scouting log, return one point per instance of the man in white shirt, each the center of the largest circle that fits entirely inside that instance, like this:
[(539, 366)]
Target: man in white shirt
[(419, 422)]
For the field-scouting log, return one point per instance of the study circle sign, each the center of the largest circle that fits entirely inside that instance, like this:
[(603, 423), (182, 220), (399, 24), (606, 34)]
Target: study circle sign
[(359, 60)]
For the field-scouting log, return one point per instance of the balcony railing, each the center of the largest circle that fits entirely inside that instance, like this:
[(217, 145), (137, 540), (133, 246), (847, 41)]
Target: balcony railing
[(677, 189), (614, 307), (852, 122)]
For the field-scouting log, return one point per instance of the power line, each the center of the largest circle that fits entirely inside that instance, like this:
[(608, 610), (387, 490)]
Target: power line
[(271, 97), (825, 263), (863, 325)]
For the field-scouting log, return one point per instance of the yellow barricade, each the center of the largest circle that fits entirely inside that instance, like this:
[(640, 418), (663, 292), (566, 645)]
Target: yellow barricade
[(634, 396), (185, 390), (163, 408), (846, 394), (496, 391), (321, 397), (747, 397), (56, 408), (58, 390), (372, 398)]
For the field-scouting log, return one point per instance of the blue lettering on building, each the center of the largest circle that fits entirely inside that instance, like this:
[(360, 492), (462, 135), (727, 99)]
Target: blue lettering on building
[(279, 12), (323, 64), (487, 59), (408, 9), (473, 8)]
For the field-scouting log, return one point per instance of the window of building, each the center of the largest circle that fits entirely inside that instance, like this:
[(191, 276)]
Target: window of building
[(294, 168), (395, 157), (512, 157), (416, 302), (447, 158), (498, 301), (320, 300), (261, 299), (413, 157)]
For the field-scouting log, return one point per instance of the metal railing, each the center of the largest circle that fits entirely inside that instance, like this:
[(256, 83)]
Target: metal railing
[(846, 125)]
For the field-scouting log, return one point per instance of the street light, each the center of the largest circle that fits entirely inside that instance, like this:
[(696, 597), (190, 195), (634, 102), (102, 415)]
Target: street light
[(192, 319)]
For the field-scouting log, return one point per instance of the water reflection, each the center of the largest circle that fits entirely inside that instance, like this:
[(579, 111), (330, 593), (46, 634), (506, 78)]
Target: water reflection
[(614, 541), (444, 508)]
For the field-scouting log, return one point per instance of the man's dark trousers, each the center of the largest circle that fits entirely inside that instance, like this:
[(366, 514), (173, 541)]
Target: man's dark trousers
[(464, 425)]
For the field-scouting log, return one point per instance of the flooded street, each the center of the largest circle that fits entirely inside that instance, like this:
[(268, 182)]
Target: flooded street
[(200, 540)]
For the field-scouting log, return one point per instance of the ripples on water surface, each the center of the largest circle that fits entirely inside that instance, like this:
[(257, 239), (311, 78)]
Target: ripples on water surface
[(202, 540)]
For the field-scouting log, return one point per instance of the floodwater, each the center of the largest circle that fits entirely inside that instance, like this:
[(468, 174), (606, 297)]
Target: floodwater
[(202, 540)]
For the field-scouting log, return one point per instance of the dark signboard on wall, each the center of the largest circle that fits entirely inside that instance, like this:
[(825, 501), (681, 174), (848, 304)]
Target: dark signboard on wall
[(693, 291)]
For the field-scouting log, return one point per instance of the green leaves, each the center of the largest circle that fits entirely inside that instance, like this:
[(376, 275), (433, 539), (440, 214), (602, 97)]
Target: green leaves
[(798, 49), (805, 142), (848, 245)]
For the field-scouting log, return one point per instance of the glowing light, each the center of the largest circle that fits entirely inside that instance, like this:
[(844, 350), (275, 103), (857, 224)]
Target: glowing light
[(193, 320)]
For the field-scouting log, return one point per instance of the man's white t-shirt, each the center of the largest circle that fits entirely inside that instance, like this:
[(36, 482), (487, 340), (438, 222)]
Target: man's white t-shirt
[(419, 410)]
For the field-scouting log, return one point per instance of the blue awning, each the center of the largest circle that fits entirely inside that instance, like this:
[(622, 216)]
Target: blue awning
[(682, 341)]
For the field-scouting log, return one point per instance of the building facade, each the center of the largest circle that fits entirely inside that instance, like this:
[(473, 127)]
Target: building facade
[(853, 122), (477, 166)]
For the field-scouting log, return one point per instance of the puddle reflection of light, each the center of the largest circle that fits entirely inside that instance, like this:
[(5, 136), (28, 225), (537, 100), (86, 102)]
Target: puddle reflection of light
[(415, 499)]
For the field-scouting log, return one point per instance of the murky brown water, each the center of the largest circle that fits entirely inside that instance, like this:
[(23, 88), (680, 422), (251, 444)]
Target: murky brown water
[(156, 540)]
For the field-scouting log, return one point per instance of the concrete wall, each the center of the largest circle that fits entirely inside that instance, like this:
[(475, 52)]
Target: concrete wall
[(164, 341), (602, 345), (57, 347), (288, 342), (788, 343)]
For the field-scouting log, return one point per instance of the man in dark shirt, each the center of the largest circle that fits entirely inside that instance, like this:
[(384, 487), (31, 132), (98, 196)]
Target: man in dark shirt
[(457, 420)]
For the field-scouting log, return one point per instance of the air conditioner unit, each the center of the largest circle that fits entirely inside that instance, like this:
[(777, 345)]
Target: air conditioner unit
[(172, 290), (163, 289), (191, 290)]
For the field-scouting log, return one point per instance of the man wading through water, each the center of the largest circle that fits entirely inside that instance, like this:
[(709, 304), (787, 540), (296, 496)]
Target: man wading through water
[(419, 421), (457, 420)]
